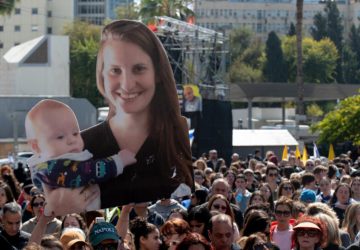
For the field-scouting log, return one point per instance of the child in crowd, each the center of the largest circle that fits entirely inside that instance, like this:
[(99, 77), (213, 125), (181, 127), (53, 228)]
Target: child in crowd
[(53, 133)]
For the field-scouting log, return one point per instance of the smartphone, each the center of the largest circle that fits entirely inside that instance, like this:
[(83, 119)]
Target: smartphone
[(99, 219)]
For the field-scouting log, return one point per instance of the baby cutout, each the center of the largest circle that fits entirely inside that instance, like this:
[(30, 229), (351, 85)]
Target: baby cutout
[(59, 160)]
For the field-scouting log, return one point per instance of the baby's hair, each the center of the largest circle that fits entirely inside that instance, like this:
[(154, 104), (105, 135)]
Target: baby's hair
[(38, 108)]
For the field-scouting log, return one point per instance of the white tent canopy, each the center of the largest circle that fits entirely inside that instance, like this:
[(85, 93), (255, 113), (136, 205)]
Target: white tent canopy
[(262, 137)]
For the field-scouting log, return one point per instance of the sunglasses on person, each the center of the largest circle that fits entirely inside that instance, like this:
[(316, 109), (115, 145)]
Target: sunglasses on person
[(107, 246), (216, 206), (282, 213), (287, 188), (38, 204), (310, 233)]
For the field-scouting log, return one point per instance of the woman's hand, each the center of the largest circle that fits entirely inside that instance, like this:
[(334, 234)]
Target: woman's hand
[(62, 201)]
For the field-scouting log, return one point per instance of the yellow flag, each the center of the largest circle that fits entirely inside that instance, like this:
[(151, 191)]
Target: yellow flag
[(304, 156), (285, 153), (331, 153), (297, 153)]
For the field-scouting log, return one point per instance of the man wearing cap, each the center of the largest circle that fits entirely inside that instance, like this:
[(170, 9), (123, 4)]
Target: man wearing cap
[(307, 196), (11, 237), (72, 237), (103, 235)]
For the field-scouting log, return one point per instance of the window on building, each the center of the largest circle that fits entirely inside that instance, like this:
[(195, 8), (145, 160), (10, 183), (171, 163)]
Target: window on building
[(1, 28), (49, 14), (17, 28), (49, 30), (34, 11), (17, 11), (1, 45), (34, 27)]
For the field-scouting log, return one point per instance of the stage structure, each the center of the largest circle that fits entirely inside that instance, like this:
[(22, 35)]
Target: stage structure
[(197, 55)]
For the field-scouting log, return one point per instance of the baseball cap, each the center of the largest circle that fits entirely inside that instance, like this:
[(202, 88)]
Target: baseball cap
[(248, 170), (307, 224), (72, 233), (308, 196), (102, 231)]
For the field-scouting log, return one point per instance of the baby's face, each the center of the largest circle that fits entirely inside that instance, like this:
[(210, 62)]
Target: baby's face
[(58, 133)]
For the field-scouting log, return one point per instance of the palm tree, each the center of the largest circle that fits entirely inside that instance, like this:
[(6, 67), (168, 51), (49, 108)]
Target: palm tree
[(6, 6), (172, 8), (299, 63)]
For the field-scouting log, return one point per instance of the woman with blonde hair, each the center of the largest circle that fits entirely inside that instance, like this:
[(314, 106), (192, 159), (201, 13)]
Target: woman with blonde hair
[(351, 223)]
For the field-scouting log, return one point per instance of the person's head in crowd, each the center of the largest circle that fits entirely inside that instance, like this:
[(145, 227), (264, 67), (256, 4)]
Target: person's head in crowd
[(235, 157), (265, 191), (194, 241), (102, 235), (200, 178), (272, 173), (230, 178), (73, 220), (178, 213), (256, 221), (332, 229), (325, 186), (37, 204), (345, 179), (220, 186), (260, 166), (332, 169), (341, 168), (213, 155), (220, 203), (264, 207), (256, 198), (320, 171), (309, 165), (129, 243), (351, 223), (11, 218), (252, 163), (287, 171), (249, 175), (223, 169), (319, 207), (200, 164), (26, 188), (208, 173), (307, 196), (283, 210), (274, 160), (308, 181), (240, 182), (342, 194), (146, 235), (6, 194), (51, 242), (256, 241), (355, 188), (71, 234), (33, 246), (198, 220), (198, 197), (292, 160), (8, 176), (298, 209), (296, 184), (286, 189), (221, 232), (309, 232), (174, 231)]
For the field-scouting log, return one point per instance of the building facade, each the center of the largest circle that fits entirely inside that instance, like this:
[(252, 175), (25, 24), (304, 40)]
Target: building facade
[(263, 16)]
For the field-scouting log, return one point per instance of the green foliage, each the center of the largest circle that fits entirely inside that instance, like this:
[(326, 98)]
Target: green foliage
[(7, 6), (240, 39), (243, 73), (131, 11), (314, 110), (274, 68), (319, 30), (292, 30), (341, 124), (319, 59), (81, 31), (177, 9)]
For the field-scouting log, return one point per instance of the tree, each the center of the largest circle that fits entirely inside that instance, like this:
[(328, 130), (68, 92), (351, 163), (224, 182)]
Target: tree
[(131, 11), (7, 6), (243, 73), (351, 56), (299, 61), (274, 69), (319, 59), (292, 30), (84, 44), (319, 30), (172, 8), (341, 124)]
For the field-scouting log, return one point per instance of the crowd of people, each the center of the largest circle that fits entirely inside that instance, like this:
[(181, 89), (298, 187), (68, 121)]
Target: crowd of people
[(254, 204)]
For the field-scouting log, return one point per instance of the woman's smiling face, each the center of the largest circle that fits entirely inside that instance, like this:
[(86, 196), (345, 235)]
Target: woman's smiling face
[(129, 77)]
